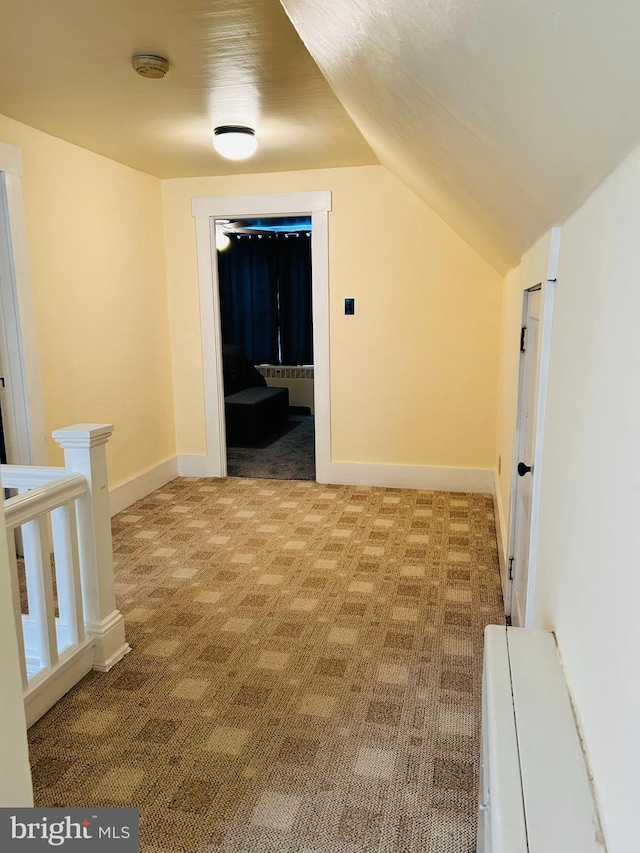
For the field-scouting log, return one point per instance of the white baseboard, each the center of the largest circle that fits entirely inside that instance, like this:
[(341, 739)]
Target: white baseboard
[(476, 480), (127, 493), (192, 466)]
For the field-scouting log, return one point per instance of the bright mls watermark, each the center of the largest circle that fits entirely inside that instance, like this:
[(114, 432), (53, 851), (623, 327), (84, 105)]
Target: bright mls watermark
[(108, 830)]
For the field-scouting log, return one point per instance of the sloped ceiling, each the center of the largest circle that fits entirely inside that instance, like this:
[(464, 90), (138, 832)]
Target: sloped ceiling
[(503, 115)]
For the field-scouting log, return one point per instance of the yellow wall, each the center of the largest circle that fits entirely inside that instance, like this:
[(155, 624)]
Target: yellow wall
[(414, 373), (95, 243)]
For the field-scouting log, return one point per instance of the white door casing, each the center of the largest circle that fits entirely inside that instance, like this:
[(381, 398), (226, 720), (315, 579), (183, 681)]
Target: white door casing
[(206, 211), (537, 316), (526, 437), (23, 415), (15, 779)]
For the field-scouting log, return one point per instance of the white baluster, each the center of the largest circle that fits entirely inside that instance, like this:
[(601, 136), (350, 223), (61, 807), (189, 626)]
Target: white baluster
[(65, 549), (42, 620), (17, 609)]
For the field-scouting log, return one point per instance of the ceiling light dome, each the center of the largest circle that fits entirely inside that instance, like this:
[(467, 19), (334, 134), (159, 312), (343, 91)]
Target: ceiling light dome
[(234, 141)]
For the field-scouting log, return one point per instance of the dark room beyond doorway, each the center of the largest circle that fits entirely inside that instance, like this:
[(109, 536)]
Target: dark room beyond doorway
[(266, 310)]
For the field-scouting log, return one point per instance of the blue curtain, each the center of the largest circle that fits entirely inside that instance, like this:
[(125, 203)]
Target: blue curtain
[(265, 297), (294, 291), (248, 298)]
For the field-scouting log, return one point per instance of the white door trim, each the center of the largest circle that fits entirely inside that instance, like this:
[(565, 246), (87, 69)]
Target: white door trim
[(24, 415), (547, 299), (15, 780), (205, 211), (544, 354)]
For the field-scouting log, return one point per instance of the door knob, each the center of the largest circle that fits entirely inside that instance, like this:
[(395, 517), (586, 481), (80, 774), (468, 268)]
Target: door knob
[(524, 469)]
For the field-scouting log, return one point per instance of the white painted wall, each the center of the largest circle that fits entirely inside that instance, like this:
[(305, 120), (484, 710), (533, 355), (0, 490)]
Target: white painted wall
[(588, 586), (589, 577), (15, 772)]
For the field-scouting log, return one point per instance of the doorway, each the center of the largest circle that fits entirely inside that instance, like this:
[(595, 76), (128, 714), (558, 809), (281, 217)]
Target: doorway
[(527, 405), (206, 211), (20, 392), (265, 297), (535, 345)]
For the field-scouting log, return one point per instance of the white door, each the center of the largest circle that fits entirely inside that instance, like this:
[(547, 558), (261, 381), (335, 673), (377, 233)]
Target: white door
[(540, 264), (3, 416), (525, 456), (11, 360), (20, 398)]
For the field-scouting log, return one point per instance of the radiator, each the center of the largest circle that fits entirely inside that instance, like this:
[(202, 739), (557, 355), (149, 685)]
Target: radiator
[(535, 789), (299, 381)]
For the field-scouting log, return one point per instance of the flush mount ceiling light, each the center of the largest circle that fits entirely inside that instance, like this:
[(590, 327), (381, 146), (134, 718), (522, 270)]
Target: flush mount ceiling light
[(150, 66), (234, 141)]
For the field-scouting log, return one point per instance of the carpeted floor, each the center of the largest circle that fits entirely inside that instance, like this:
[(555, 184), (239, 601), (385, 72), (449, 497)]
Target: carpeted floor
[(289, 455), (305, 674)]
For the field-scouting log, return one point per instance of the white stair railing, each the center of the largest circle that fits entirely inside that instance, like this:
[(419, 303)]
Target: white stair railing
[(64, 511), (43, 636)]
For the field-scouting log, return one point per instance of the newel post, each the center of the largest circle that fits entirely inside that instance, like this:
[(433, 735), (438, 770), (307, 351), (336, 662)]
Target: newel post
[(84, 448)]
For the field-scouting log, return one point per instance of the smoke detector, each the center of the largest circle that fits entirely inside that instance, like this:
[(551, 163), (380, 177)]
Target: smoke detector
[(148, 65)]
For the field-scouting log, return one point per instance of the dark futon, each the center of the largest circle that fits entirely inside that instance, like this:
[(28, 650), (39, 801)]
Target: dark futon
[(252, 410)]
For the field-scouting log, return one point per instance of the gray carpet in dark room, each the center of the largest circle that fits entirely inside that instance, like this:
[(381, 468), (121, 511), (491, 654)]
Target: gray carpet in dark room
[(287, 455)]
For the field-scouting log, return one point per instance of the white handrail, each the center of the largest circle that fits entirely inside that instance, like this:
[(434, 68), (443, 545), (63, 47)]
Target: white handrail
[(46, 636), (43, 499), (47, 641), (75, 626), (28, 476)]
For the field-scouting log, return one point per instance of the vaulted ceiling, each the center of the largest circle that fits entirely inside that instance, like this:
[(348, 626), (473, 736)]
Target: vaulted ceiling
[(501, 114)]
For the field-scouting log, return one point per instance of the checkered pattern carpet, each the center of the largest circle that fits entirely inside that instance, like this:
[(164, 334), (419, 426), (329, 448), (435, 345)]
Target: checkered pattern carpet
[(305, 674)]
